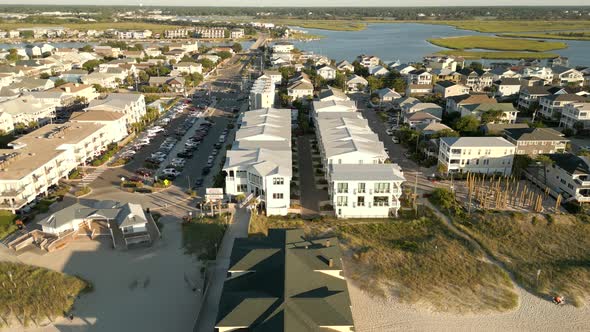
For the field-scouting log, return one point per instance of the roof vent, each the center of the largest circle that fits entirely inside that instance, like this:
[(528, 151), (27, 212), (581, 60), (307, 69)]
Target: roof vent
[(327, 243), (331, 262)]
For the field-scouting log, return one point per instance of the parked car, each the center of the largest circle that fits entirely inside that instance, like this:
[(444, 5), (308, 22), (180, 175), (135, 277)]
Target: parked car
[(199, 182), (206, 170), (389, 132), (171, 171), (395, 140), (185, 154)]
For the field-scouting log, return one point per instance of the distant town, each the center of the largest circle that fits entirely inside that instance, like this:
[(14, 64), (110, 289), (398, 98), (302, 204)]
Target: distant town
[(218, 176)]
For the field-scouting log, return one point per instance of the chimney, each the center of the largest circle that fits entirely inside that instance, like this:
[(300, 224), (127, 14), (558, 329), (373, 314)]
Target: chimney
[(331, 262), (68, 89), (327, 243)]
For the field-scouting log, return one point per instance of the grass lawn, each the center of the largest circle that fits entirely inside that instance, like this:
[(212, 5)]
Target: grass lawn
[(33, 294), (7, 225), (555, 245), (496, 43), (418, 260), (583, 35), (499, 54), (202, 236)]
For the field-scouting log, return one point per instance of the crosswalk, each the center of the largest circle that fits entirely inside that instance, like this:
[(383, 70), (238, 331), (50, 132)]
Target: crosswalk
[(95, 173)]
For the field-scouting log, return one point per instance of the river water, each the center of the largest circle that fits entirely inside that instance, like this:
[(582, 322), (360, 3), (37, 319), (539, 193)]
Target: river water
[(407, 42)]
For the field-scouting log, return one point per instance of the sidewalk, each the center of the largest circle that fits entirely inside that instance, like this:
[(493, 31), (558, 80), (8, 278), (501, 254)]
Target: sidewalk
[(208, 313)]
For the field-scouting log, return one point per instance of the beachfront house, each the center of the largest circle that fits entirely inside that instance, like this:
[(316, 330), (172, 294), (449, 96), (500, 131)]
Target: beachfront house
[(488, 155)]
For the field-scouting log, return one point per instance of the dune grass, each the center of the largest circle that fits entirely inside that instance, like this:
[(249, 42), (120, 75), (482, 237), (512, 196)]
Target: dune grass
[(31, 294), (416, 260), (7, 225), (496, 43), (472, 55), (547, 254), (568, 35), (202, 236)]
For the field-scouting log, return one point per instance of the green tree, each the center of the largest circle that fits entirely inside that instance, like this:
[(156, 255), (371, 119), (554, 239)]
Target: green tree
[(59, 82), (13, 55), (467, 124), (143, 76), (544, 161), (237, 47), (86, 48), (207, 64), (375, 83), (224, 55), (91, 65), (491, 116)]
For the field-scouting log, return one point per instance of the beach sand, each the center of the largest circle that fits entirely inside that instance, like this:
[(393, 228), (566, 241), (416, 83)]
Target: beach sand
[(142, 289), (372, 313)]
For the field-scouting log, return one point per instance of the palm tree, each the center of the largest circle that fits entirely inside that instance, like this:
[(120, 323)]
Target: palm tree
[(545, 161)]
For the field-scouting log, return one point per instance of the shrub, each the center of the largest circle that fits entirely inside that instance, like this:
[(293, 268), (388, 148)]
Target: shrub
[(82, 191)]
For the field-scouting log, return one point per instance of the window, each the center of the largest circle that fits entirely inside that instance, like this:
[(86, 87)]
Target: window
[(278, 181), (361, 188), (381, 187), (342, 188), (381, 201), (277, 195), (360, 201), (242, 188), (342, 201)]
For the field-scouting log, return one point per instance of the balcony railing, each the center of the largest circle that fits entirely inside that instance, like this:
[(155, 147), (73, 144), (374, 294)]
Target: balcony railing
[(583, 182)]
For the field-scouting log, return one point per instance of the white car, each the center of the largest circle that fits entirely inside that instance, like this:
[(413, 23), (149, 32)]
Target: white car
[(178, 161), (156, 129), (395, 140), (389, 132), (158, 155), (171, 171)]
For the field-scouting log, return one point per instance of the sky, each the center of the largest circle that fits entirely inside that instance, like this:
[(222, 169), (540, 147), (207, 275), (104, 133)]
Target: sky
[(304, 3)]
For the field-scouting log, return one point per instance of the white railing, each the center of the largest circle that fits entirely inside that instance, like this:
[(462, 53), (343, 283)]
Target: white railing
[(246, 200)]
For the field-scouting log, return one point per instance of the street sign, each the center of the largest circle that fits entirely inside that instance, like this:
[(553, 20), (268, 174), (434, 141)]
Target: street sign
[(214, 194)]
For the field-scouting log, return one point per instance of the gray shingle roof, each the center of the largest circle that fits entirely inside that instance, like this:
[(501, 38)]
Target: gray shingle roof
[(284, 290), (534, 134)]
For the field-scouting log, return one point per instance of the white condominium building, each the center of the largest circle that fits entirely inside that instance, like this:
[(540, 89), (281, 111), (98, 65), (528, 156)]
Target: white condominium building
[(27, 109), (488, 155), (262, 94), (259, 163), (365, 190), (353, 158), (41, 158), (131, 105)]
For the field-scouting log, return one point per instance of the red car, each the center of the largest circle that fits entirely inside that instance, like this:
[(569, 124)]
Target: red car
[(144, 172)]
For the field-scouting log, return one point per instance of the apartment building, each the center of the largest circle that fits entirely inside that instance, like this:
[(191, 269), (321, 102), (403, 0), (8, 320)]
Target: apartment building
[(568, 176), (365, 191), (209, 33), (353, 154), (41, 158), (488, 155), (535, 141), (29, 109), (236, 33), (551, 106), (576, 116), (131, 105), (262, 93), (259, 163)]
